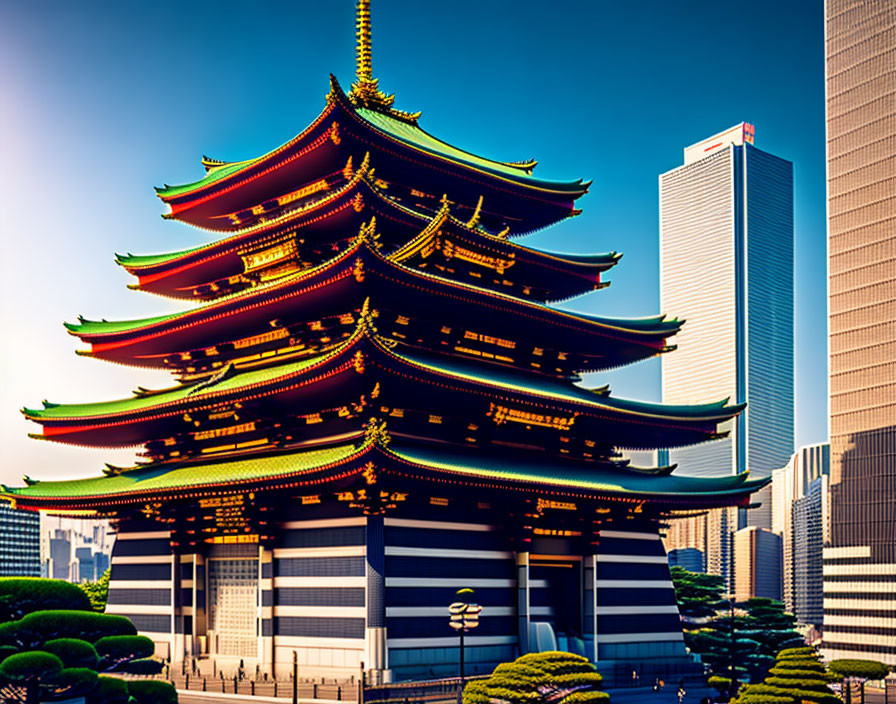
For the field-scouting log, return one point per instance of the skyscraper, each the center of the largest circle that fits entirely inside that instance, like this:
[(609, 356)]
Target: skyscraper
[(726, 262), (806, 554), (791, 483), (757, 564), (19, 543), (860, 562)]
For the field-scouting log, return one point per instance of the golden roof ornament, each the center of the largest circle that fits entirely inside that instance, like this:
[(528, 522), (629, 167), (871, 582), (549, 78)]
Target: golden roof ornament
[(375, 431), (473, 222), (367, 317), (365, 91)]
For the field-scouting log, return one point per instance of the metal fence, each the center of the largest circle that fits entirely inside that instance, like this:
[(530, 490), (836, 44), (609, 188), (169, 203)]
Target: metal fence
[(411, 692), (282, 689)]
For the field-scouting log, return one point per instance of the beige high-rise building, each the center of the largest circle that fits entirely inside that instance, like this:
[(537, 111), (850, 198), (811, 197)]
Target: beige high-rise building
[(757, 564), (860, 559)]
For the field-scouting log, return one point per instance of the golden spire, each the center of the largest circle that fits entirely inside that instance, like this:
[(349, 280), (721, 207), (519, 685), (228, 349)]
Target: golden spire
[(363, 57), (365, 90)]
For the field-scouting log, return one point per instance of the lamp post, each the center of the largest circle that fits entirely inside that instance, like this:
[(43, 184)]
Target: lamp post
[(463, 617), (734, 685)]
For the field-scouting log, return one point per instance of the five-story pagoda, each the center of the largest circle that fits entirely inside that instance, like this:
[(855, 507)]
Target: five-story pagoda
[(375, 405)]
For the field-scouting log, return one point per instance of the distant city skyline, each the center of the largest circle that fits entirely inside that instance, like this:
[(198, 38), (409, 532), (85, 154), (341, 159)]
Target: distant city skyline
[(102, 103)]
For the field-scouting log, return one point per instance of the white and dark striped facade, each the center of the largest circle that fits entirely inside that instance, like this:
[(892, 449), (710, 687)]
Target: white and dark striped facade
[(342, 590)]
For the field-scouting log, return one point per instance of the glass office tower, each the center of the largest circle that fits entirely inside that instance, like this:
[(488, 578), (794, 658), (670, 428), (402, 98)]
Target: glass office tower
[(726, 265)]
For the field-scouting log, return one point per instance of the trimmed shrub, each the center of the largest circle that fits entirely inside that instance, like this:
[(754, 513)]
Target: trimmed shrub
[(587, 697), (72, 682), (144, 666), (863, 669), (109, 690), (799, 665), (6, 651), (537, 677), (799, 653), (765, 699), (115, 650), (578, 679), (807, 685), (152, 692), (23, 595), (815, 697), (73, 652), (39, 627), (720, 684), (29, 667)]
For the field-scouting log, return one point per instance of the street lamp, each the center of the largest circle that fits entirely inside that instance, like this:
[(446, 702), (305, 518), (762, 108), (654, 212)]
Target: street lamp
[(464, 616)]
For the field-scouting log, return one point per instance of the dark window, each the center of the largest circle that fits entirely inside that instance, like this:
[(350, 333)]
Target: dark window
[(315, 627), (150, 573), (322, 537), (401, 566), (150, 623), (147, 597), (320, 567), (320, 596)]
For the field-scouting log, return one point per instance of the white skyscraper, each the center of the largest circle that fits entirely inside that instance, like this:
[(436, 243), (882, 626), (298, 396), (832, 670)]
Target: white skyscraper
[(726, 266)]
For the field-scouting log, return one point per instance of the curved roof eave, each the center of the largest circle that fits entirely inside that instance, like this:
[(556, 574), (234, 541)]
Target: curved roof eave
[(491, 378), (651, 326)]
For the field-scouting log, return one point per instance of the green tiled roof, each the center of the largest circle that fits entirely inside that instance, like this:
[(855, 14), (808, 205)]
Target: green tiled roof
[(179, 393), (596, 478), (415, 136), (501, 378), (89, 327), (650, 324), (572, 475), (512, 380), (405, 132), (214, 174), (164, 478), (139, 260)]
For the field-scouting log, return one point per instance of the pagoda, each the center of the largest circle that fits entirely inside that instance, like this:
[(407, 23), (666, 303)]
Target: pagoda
[(375, 403)]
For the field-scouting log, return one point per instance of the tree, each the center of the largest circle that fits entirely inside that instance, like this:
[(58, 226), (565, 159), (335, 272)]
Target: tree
[(698, 595), (536, 678), (733, 639), (63, 651), (109, 690), (861, 670), (20, 596), (30, 670), (117, 651), (73, 652), (97, 592), (38, 627), (798, 677), (152, 692)]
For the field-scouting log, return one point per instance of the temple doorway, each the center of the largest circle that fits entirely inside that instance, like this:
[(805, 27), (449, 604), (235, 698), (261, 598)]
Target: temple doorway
[(233, 601)]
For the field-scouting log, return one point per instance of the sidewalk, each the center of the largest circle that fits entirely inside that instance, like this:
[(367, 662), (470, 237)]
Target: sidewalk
[(667, 695)]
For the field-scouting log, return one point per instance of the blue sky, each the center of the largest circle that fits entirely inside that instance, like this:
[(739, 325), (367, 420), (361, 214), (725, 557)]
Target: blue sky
[(100, 101)]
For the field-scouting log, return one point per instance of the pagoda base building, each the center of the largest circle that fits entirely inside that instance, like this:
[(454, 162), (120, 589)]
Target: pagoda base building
[(377, 404)]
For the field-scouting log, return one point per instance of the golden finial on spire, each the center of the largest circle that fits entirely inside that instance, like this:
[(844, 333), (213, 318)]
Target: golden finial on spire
[(363, 56), (365, 90)]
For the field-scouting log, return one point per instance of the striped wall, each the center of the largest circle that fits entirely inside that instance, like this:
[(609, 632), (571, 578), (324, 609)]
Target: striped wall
[(317, 595), (426, 562), (141, 584), (375, 590), (635, 614), (859, 606)]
